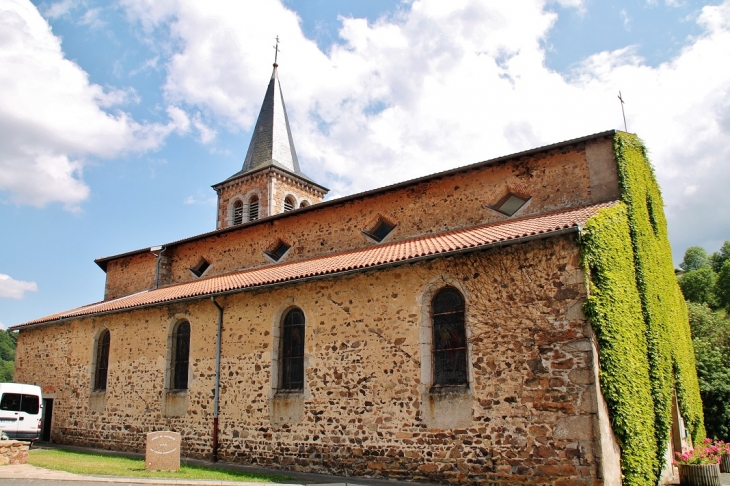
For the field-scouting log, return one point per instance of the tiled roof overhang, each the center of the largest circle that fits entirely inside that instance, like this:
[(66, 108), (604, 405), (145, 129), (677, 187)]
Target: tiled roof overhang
[(102, 262), (407, 251)]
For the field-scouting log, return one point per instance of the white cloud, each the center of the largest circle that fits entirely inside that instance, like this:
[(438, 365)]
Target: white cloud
[(15, 289), (59, 9), (51, 117), (442, 84), (92, 18)]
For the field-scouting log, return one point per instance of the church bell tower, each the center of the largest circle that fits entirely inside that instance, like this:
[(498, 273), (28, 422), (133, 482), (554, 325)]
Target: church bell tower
[(270, 181)]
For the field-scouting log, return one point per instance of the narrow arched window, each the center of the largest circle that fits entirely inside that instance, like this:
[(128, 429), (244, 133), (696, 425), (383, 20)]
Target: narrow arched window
[(102, 360), (288, 203), (238, 212), (253, 208), (304, 204), (292, 351), (449, 338), (180, 356)]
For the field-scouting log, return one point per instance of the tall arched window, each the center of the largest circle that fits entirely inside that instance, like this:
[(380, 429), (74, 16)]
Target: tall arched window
[(101, 368), (292, 351), (288, 203), (238, 212), (253, 208), (180, 356), (449, 338)]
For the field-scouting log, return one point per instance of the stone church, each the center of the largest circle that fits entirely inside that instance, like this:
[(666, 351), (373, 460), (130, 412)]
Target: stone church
[(433, 329)]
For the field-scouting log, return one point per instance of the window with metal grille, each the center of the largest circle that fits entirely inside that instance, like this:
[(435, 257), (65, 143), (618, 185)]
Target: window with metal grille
[(238, 212), (380, 230), (292, 351), (199, 269), (449, 338), (253, 208), (180, 356), (102, 360), (510, 204), (288, 203)]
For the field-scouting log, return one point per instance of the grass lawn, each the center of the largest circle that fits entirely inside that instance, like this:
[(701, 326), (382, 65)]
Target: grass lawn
[(98, 464)]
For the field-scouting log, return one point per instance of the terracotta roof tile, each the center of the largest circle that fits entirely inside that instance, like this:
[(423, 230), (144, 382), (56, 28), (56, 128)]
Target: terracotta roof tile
[(347, 261)]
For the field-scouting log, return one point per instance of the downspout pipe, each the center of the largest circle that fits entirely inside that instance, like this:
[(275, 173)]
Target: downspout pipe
[(157, 267), (216, 395)]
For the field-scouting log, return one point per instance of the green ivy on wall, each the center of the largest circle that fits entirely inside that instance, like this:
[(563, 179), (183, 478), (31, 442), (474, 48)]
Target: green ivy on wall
[(640, 318)]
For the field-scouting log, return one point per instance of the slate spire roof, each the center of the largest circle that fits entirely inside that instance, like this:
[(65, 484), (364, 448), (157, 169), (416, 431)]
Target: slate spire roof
[(271, 142)]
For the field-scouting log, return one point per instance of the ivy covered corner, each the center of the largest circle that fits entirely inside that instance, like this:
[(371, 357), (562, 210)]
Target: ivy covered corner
[(647, 362)]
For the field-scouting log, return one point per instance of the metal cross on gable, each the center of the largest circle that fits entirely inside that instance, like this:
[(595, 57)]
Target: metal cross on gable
[(276, 50), (622, 110)]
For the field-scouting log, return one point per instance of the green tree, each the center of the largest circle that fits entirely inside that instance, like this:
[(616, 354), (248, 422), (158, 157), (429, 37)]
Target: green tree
[(722, 286), (7, 355), (711, 339), (699, 286), (694, 258), (718, 259), (6, 371)]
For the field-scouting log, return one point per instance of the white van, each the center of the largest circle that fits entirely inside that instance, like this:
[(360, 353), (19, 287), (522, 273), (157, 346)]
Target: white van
[(20, 411)]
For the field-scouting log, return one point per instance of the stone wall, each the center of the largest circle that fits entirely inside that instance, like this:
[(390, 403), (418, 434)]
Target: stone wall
[(530, 414), (274, 187), (558, 179), (13, 452)]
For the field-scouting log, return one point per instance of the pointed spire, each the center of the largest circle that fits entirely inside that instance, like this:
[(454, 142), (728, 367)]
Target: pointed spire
[(271, 142)]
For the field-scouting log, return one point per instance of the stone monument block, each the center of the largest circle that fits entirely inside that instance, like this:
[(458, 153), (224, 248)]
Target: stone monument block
[(163, 451)]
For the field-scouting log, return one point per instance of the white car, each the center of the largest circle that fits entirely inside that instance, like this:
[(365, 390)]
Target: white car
[(20, 411)]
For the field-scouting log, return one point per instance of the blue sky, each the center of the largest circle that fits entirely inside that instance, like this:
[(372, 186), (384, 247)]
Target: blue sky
[(117, 117)]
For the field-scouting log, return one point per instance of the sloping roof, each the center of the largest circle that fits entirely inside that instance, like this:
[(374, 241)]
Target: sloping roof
[(271, 142), (366, 258), (103, 261)]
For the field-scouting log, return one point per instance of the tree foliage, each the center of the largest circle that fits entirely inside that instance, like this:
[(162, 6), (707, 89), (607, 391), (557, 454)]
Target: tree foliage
[(711, 339), (699, 285), (694, 258), (7, 355), (722, 286), (718, 259), (706, 280)]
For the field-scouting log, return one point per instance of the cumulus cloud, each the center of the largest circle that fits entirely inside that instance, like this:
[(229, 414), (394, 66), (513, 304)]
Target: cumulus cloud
[(52, 119), (15, 289), (441, 84)]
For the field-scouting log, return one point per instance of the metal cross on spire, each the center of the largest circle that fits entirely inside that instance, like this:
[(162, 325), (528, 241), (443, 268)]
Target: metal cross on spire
[(276, 49), (622, 110)]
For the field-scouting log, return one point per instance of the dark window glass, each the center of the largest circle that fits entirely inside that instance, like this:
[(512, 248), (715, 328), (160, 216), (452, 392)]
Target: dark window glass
[(10, 402), (102, 360), (238, 212), (180, 356), (449, 338), (381, 230), (292, 351), (30, 404), (279, 251), (200, 268), (253, 208)]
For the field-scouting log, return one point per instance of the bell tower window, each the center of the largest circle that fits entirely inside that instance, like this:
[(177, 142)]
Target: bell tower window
[(288, 203), (253, 208), (238, 212)]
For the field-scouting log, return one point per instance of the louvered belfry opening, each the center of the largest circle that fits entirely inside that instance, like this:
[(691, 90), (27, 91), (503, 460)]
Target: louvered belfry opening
[(102, 360), (180, 356), (253, 208), (288, 204), (292, 351), (238, 212), (449, 338)]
